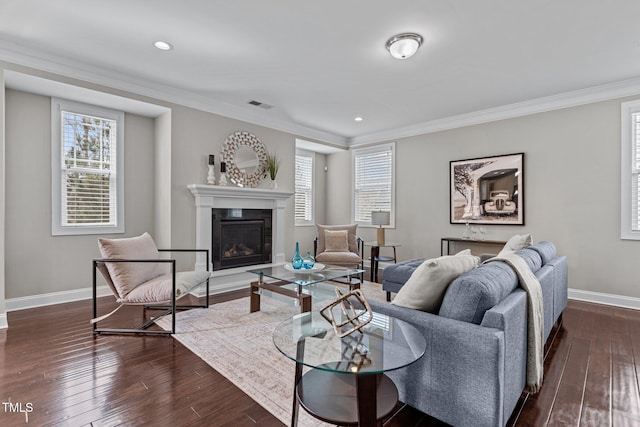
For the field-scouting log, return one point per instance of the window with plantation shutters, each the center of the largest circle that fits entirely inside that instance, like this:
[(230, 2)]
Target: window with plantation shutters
[(630, 184), (373, 182), (87, 179), (304, 188)]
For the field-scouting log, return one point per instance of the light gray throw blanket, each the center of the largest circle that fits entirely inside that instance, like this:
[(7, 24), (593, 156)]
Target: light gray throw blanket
[(535, 318)]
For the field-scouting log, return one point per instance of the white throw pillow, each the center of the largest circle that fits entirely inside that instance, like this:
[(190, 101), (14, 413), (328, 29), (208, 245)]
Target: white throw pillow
[(427, 285), (516, 243)]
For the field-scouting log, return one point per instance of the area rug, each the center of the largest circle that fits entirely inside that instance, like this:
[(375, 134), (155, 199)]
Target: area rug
[(239, 345)]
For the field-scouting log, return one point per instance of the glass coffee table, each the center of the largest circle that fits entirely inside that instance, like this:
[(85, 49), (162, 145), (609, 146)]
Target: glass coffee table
[(296, 284), (346, 384)]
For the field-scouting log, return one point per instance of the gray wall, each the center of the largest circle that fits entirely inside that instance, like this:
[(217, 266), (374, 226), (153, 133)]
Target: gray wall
[(572, 184), (170, 153), (36, 262), (195, 135), (3, 316), (305, 234), (572, 190), (162, 181)]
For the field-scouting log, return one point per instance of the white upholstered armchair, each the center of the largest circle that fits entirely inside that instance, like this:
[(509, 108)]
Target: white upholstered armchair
[(136, 273), (339, 245)]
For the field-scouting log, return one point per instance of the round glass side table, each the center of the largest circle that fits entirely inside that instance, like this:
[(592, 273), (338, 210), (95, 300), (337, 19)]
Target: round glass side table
[(346, 384)]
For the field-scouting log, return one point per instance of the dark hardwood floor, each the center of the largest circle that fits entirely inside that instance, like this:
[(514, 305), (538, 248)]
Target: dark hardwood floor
[(54, 369)]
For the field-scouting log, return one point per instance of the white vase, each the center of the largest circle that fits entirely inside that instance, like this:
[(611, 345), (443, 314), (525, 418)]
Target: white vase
[(273, 184)]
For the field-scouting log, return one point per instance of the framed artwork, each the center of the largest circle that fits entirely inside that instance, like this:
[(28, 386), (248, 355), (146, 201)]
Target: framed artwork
[(488, 190)]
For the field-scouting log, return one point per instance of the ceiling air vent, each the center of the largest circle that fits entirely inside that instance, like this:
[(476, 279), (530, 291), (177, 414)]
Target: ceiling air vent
[(260, 104)]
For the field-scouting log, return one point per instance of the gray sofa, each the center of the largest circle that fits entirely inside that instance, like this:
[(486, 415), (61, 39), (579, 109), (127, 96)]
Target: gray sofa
[(474, 369)]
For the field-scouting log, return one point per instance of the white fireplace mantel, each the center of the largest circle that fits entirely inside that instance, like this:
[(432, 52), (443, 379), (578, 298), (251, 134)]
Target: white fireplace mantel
[(227, 197)]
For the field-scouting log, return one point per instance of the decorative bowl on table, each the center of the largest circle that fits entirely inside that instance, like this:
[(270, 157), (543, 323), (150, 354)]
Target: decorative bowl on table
[(316, 267)]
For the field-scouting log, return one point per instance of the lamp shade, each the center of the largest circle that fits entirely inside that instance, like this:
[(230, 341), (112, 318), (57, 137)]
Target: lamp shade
[(380, 218)]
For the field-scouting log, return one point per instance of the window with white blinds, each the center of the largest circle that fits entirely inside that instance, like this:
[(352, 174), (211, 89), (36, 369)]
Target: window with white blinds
[(630, 184), (86, 186), (304, 188), (373, 182)]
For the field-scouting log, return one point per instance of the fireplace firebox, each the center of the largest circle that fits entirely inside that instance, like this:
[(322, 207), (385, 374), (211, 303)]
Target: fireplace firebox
[(240, 237)]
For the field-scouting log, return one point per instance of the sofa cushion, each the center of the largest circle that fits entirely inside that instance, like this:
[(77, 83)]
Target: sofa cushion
[(400, 272), (427, 284), (547, 250), (531, 257), (336, 240), (515, 243), (472, 294), (126, 276), (158, 289), (339, 258)]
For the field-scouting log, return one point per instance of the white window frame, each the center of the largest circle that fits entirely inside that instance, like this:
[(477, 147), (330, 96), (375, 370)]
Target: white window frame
[(57, 176), (388, 147), (629, 171), (312, 155)]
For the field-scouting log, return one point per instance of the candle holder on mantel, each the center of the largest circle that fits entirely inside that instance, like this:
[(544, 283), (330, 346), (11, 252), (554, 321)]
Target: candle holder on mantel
[(211, 176), (223, 174)]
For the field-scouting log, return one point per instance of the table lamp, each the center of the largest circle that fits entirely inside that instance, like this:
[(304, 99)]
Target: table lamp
[(380, 218)]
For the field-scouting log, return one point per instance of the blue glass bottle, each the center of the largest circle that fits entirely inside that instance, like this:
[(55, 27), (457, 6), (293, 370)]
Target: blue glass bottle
[(308, 261), (296, 261)]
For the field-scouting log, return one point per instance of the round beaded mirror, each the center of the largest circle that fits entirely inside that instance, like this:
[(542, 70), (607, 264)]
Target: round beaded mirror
[(246, 159)]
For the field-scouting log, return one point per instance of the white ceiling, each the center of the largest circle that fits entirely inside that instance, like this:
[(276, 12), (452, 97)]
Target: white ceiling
[(322, 63)]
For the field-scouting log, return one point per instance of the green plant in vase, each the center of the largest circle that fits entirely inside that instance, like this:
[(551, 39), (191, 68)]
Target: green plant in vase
[(273, 164)]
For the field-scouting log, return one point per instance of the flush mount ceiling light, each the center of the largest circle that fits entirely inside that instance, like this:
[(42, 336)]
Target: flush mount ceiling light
[(359, 119), (163, 45), (403, 46)]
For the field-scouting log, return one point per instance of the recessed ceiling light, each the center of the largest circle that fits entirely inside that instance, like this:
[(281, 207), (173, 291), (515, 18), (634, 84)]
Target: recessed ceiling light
[(358, 119), (163, 45), (403, 46)]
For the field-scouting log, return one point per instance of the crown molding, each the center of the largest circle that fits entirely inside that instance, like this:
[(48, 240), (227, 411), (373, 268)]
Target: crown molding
[(19, 55), (555, 102), (23, 56)]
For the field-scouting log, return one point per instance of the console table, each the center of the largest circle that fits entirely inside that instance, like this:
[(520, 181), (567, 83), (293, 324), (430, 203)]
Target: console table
[(445, 243), (346, 384)]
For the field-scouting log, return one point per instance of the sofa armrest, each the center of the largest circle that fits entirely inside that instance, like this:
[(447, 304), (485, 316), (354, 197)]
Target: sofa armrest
[(561, 283), (460, 379), (510, 316)]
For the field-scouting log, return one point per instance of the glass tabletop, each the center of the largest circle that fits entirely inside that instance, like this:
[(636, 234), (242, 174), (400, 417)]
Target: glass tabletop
[(385, 344), (306, 277), (383, 245)]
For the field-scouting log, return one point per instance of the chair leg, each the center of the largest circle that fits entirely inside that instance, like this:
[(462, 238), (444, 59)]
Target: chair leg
[(206, 297), (95, 296), (388, 296)]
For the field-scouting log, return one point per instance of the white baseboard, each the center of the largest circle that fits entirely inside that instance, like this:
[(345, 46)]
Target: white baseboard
[(606, 299), (21, 303), (33, 301)]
